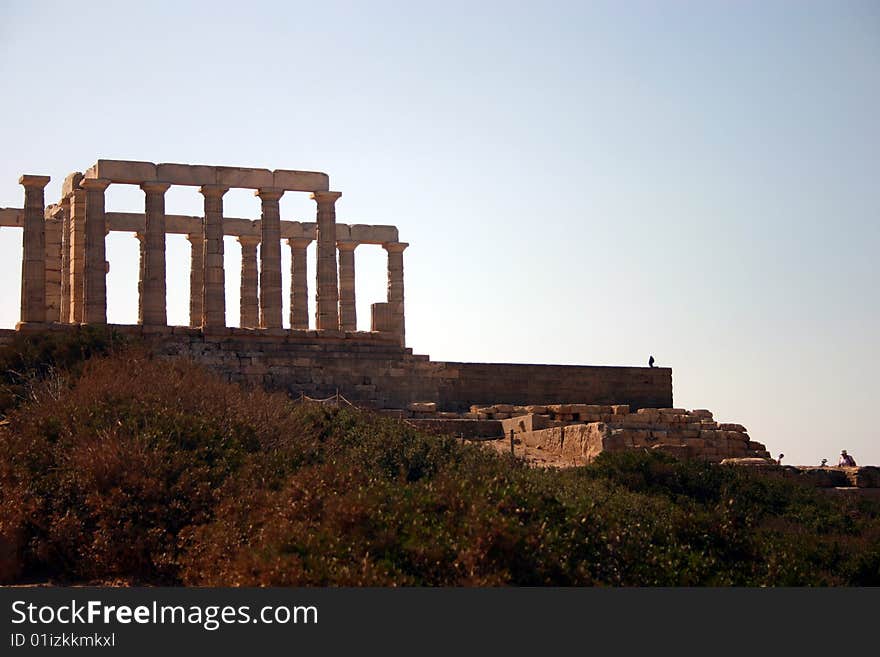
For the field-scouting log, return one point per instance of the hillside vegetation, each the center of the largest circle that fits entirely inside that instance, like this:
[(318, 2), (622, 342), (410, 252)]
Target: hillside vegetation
[(116, 467)]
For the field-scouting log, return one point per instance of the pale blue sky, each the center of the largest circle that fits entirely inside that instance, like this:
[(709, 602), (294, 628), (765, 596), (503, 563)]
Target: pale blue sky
[(584, 183)]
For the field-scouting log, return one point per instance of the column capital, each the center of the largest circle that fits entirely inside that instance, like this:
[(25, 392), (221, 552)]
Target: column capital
[(140, 237), (269, 193), (249, 240), (96, 184), (216, 191), (29, 180), (299, 242), (326, 197), (195, 237), (395, 247), (155, 187), (347, 245)]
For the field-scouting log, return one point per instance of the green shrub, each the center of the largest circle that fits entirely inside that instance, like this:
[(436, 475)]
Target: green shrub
[(154, 471)]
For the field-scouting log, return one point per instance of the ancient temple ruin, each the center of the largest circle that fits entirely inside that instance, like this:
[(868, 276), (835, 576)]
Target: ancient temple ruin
[(64, 287), (64, 269)]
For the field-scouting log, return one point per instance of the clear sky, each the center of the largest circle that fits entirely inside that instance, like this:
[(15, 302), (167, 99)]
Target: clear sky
[(584, 182)]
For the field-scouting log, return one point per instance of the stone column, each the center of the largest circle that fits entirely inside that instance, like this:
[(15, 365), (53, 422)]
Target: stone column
[(299, 284), (33, 262), (95, 283), (347, 308), (142, 257), (153, 294), (53, 238), (327, 292), (196, 277), (270, 257), (395, 286), (214, 303), (249, 313), (77, 254), (65, 261)]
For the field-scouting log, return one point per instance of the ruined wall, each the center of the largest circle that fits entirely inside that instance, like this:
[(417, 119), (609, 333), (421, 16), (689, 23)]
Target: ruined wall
[(373, 368), (576, 434), (484, 383)]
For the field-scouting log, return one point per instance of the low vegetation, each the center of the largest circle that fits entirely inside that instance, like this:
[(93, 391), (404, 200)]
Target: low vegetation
[(116, 467)]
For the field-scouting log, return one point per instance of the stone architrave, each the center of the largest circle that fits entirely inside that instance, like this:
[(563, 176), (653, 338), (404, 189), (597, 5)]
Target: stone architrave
[(249, 307), (347, 306), (299, 284), (33, 264), (395, 286), (214, 304), (153, 292), (196, 277), (327, 292), (95, 282), (64, 311), (270, 257)]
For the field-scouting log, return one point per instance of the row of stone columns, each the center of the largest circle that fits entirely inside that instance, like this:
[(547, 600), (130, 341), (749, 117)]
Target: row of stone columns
[(83, 287)]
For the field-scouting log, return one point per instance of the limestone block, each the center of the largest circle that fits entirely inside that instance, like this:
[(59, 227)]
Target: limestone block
[(728, 426), (71, 182), (527, 423), (620, 409), (539, 410), (503, 408), (244, 177), (422, 407), (186, 174), (373, 234), (701, 413), (751, 462), (301, 181), (123, 171)]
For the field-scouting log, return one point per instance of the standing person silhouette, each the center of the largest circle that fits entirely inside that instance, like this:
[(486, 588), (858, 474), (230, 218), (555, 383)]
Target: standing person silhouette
[(650, 361)]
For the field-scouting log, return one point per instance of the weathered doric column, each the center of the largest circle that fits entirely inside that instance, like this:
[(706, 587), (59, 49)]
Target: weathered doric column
[(77, 254), (196, 277), (270, 258), (214, 304), (299, 284), (347, 309), (142, 258), (395, 286), (153, 255), (65, 260), (95, 283), (327, 293), (53, 236), (249, 313), (33, 262)]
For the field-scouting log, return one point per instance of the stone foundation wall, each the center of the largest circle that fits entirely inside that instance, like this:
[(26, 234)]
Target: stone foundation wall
[(372, 368)]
